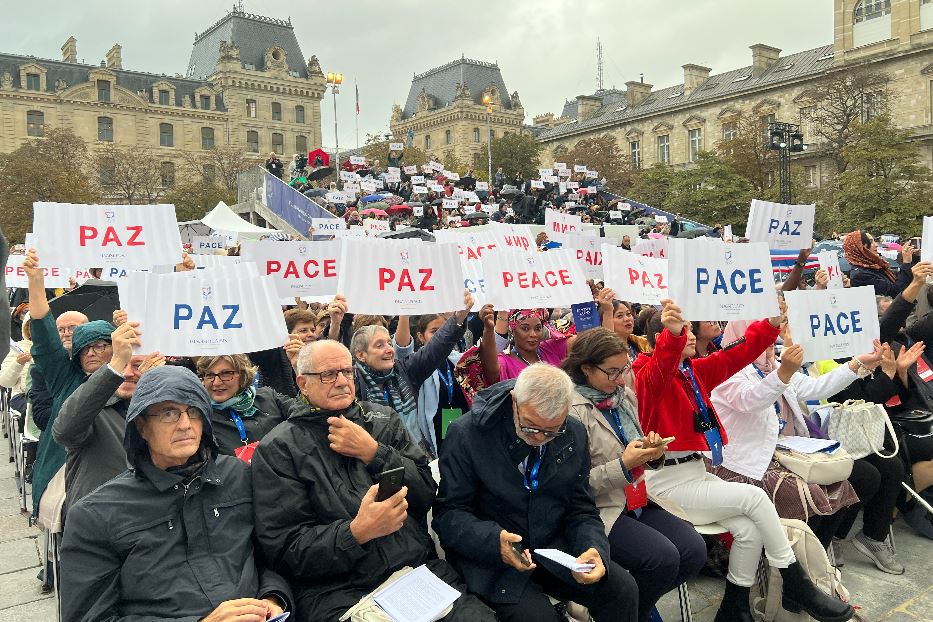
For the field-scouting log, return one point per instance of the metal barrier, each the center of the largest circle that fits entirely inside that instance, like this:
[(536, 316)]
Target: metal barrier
[(258, 187)]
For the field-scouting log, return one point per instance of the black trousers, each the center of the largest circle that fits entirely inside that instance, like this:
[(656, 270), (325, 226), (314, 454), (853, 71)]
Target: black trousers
[(614, 599), (877, 482)]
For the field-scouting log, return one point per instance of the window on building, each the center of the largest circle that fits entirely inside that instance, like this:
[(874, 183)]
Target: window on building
[(299, 114), (168, 174), (207, 138), (867, 10), (166, 135), (210, 173), (926, 14), (107, 173), (871, 22), (808, 124), (695, 143), (492, 135), (105, 129), (475, 134), (278, 143), (872, 106), (276, 111), (730, 130), (427, 141), (33, 81), (812, 176), (163, 97), (664, 149), (252, 141), (35, 123), (251, 108), (477, 160), (448, 137), (103, 90), (635, 149), (301, 144), (205, 102)]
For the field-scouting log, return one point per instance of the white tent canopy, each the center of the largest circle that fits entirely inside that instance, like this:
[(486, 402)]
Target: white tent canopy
[(222, 218)]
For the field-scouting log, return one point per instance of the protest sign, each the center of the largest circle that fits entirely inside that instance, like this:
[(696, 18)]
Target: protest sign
[(712, 280), (356, 231), (537, 183), (471, 247), (329, 226), (417, 210), (829, 262), (833, 323), (586, 249), (373, 227), (451, 175), (727, 233), (396, 147), (634, 277), (400, 277), (216, 261), (926, 242), (783, 227), (625, 207), (16, 275), (417, 179), (379, 184), (469, 209), (544, 172), (591, 174), (207, 243), (579, 168), (297, 268), (652, 247), (517, 280), (133, 236), (550, 179), (615, 214), (410, 170), (482, 185), (435, 166), (394, 170), (660, 218), (557, 224), (514, 237), (393, 178), (560, 166), (367, 185), (230, 237), (209, 315), (357, 160), (419, 190), (450, 203), (573, 185), (347, 176)]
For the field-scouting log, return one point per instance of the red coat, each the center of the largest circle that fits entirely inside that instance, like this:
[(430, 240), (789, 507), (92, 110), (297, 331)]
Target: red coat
[(665, 398)]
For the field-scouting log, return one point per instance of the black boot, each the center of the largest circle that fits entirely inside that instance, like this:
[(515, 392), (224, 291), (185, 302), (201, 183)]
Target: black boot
[(800, 593), (734, 607)]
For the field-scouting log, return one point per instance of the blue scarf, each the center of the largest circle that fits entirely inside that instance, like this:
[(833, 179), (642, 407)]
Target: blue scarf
[(241, 403)]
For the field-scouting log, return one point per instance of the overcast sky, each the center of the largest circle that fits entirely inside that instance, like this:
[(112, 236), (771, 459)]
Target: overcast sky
[(546, 49)]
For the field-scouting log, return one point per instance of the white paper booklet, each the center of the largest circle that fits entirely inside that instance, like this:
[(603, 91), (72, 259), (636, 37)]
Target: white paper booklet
[(419, 596), (564, 560)]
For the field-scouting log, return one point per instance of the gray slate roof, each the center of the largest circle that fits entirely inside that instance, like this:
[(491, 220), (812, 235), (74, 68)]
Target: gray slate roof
[(441, 83), (731, 83), (253, 34), (77, 73)]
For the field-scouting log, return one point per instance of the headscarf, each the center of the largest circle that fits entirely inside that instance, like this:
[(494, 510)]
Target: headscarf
[(517, 316), (241, 403), (735, 330), (859, 255)]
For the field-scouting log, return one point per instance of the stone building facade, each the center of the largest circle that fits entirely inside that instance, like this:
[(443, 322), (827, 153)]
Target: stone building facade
[(248, 86), (672, 125), (445, 115)]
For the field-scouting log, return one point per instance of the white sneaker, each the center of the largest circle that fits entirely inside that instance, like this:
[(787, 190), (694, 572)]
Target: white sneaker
[(879, 552)]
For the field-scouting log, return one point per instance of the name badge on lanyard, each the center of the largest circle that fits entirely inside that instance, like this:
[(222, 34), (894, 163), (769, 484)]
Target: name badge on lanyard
[(704, 421)]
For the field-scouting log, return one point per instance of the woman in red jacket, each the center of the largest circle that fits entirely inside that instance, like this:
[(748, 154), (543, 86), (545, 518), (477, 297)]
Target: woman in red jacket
[(673, 399)]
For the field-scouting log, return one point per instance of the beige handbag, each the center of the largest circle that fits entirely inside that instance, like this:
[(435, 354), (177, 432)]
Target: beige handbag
[(817, 468), (366, 610), (859, 427), (52, 502)]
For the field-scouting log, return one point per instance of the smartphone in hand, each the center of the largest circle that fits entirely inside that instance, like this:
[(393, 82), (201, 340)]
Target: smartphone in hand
[(520, 553), (390, 482)]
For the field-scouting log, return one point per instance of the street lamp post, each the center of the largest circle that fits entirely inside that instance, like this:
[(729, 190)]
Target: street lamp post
[(487, 101), (786, 139), (334, 80)]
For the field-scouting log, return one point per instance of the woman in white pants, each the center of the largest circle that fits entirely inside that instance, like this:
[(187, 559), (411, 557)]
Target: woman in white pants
[(673, 398)]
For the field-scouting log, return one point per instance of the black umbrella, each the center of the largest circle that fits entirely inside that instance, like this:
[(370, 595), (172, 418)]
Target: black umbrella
[(407, 232), (437, 202), (693, 233), (320, 173), (510, 191), (476, 216), (95, 298), (316, 192)]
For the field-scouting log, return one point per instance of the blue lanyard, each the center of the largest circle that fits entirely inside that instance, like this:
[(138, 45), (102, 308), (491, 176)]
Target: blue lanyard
[(697, 396), (612, 416), (531, 477), (449, 383), (239, 425), (385, 395)]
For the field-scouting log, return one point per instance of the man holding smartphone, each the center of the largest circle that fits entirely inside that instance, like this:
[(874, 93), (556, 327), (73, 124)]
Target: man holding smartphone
[(515, 478)]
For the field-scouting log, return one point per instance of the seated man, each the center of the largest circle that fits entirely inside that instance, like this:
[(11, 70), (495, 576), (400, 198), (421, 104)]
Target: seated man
[(172, 538), (515, 471), (317, 517)]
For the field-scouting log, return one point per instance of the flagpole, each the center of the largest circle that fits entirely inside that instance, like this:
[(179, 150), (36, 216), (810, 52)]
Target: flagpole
[(357, 89)]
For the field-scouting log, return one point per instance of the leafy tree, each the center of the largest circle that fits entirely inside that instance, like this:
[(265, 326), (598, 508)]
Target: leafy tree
[(377, 148), (712, 192), (54, 168), (747, 155), (195, 196), (513, 153), (133, 175), (603, 154), (654, 186)]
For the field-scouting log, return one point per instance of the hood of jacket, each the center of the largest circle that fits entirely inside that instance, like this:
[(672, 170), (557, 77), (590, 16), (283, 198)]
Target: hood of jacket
[(168, 383), (86, 334), (492, 403)]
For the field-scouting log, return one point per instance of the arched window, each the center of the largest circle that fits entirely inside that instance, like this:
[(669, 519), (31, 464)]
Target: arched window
[(475, 134), (105, 129), (299, 114), (427, 141), (278, 144), (871, 9), (207, 138), (871, 22), (168, 174), (166, 135), (252, 141), (276, 111), (301, 144), (35, 123)]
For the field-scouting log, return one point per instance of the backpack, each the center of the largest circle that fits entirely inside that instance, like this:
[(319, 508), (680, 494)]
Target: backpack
[(766, 593)]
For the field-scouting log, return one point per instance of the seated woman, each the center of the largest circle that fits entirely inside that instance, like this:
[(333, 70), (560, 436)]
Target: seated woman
[(870, 268), (761, 403), (241, 414), (660, 550)]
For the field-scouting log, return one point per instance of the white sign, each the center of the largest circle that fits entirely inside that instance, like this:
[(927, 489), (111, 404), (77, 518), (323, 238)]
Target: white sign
[(579, 168), (560, 166), (829, 262), (368, 185), (417, 179), (396, 147), (357, 160), (712, 280), (471, 247), (328, 226), (16, 274), (625, 207), (615, 214), (410, 170), (436, 166), (393, 178), (451, 175), (347, 176), (652, 247), (482, 185), (297, 268), (634, 277), (573, 185), (517, 280), (373, 227), (230, 237), (400, 277), (591, 174), (417, 210), (585, 247), (212, 261), (557, 224), (514, 237), (537, 183), (833, 323), (543, 172), (926, 243), (132, 236), (207, 315), (419, 190), (660, 218), (727, 233), (469, 209), (550, 179), (450, 203), (783, 227), (207, 243)]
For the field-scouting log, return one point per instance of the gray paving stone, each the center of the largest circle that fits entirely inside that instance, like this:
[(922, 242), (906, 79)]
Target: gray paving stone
[(36, 611), (18, 554), (20, 587)]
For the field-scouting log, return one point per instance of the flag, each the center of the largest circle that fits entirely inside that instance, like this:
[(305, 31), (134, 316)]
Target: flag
[(782, 261), (356, 86)]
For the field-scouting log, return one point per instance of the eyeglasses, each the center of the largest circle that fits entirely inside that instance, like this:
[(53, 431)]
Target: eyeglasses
[(524, 429), (330, 376), (172, 415), (614, 373), (225, 376), (98, 347), (66, 330)]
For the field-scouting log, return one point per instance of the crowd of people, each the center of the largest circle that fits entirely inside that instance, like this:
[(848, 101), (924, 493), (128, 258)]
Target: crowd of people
[(242, 486)]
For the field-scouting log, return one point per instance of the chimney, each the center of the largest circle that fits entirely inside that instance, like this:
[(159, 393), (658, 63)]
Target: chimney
[(70, 51), (694, 76), (763, 56), (637, 92), (115, 57), (587, 105)]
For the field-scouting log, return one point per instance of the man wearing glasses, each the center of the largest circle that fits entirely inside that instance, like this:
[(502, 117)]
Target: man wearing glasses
[(171, 538), (515, 478), (317, 517)]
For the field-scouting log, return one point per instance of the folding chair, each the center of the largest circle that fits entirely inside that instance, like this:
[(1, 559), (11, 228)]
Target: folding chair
[(50, 520), (28, 446)]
